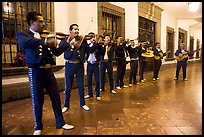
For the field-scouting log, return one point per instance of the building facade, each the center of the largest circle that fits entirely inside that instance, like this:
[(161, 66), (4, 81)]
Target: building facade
[(143, 20)]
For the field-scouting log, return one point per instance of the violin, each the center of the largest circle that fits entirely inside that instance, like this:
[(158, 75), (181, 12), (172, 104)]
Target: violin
[(61, 35), (57, 35)]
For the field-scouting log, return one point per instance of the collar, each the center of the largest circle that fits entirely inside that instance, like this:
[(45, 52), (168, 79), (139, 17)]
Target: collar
[(88, 42), (133, 46), (34, 32)]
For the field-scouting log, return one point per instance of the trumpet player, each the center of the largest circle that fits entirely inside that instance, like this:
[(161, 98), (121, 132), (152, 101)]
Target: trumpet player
[(133, 49), (106, 62), (121, 54), (93, 58)]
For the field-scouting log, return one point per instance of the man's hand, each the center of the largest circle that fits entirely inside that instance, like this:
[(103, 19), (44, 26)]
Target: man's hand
[(76, 42), (51, 41), (70, 38)]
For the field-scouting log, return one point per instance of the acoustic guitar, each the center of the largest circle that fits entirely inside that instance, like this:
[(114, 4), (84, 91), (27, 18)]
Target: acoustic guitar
[(161, 55), (184, 55), (148, 54)]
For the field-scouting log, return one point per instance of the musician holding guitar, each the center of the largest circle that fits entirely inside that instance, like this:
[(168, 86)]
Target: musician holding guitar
[(182, 58), (158, 56)]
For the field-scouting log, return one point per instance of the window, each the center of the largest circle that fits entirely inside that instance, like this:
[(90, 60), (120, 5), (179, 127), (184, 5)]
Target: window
[(170, 43), (14, 20), (111, 24), (146, 31), (111, 19), (191, 45), (182, 38)]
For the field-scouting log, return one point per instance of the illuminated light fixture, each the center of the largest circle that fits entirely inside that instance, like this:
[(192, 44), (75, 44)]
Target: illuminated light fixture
[(7, 6), (193, 6)]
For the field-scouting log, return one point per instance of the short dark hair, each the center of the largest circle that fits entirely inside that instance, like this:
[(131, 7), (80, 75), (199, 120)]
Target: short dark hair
[(118, 36), (91, 33), (157, 43), (32, 16), (71, 26), (106, 34)]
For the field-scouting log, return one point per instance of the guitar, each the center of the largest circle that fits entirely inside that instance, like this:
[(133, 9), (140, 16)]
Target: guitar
[(148, 54), (161, 55), (184, 55)]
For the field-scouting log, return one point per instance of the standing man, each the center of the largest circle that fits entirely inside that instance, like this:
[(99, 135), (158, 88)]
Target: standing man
[(39, 58), (74, 64), (142, 61), (158, 56), (93, 58), (133, 52), (107, 54), (182, 58), (121, 54)]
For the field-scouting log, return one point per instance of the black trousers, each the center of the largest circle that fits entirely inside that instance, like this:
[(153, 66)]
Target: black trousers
[(156, 66), (93, 69), (142, 68), (121, 67), (109, 66), (180, 64), (71, 70), (133, 71), (40, 79)]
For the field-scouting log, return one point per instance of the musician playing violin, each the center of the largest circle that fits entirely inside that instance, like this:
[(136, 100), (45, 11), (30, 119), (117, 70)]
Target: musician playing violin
[(74, 65), (39, 54)]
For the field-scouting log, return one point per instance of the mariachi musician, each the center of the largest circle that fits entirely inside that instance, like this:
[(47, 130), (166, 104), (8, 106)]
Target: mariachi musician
[(144, 53), (106, 62), (158, 56), (133, 52), (182, 58), (121, 54), (39, 54)]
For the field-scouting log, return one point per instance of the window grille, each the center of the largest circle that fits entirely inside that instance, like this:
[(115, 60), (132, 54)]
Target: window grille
[(111, 22), (146, 31), (14, 20), (111, 19)]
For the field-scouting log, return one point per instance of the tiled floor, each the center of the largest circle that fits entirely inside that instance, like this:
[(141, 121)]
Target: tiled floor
[(162, 107)]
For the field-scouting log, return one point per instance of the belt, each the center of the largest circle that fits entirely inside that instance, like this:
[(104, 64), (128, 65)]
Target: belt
[(72, 62), (40, 66), (105, 60), (134, 59), (121, 58), (92, 62)]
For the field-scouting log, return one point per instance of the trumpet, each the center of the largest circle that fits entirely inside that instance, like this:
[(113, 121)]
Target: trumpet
[(146, 42)]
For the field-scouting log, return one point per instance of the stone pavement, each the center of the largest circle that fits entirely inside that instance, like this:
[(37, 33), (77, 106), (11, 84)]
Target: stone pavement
[(162, 107)]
